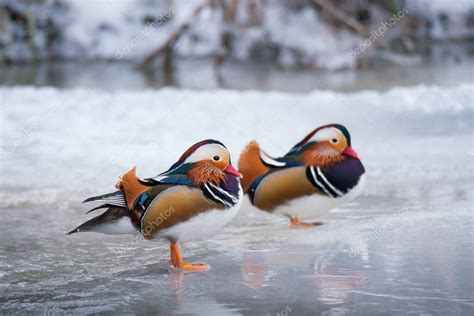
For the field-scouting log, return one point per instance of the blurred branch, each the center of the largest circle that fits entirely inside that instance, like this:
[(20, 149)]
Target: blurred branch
[(167, 46), (31, 31), (342, 17), (229, 12)]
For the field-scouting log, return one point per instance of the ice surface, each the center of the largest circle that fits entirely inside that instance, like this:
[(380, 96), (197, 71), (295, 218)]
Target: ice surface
[(405, 245)]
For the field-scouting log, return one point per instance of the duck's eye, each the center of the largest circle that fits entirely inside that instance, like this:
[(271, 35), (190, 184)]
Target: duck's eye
[(334, 141), (216, 158)]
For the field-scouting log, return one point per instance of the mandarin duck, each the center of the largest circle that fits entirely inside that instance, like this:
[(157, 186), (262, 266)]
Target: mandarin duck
[(197, 195), (319, 173)]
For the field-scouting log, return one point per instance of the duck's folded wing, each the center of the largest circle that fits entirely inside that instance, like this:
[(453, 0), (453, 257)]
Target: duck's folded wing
[(280, 187), (176, 179), (176, 176), (171, 205)]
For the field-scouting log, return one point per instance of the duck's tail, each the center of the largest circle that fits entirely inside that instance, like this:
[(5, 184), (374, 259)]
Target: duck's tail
[(116, 198), (250, 164), (114, 220), (119, 205)]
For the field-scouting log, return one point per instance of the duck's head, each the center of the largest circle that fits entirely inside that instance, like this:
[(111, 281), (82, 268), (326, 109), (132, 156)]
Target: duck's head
[(326, 145), (206, 161)]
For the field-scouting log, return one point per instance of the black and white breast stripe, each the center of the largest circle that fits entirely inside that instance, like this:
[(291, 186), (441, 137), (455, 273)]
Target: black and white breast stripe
[(219, 195), (317, 178)]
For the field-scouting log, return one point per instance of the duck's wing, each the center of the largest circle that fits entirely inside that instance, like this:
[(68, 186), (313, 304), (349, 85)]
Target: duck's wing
[(280, 187), (176, 179), (176, 176), (168, 205)]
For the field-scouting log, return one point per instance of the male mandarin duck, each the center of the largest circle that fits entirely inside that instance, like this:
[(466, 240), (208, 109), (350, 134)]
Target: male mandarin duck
[(319, 173), (198, 194)]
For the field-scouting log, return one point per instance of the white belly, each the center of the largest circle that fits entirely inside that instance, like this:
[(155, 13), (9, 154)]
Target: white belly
[(201, 225), (314, 206)]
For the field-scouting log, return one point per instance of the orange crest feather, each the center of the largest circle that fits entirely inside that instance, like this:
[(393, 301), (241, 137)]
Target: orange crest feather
[(204, 171)]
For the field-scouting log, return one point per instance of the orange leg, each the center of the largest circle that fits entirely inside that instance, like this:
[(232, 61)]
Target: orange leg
[(172, 257), (177, 262), (295, 223)]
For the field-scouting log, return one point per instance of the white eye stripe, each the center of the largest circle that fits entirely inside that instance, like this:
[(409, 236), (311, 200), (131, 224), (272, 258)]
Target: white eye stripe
[(328, 133), (207, 151)]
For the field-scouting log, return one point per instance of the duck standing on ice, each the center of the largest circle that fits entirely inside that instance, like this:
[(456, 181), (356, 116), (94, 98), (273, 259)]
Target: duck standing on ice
[(319, 173), (197, 195)]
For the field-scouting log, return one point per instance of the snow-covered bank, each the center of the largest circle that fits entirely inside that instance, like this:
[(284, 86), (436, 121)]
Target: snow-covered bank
[(289, 33)]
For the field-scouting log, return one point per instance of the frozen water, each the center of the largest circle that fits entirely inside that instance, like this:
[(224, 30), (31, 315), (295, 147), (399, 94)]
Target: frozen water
[(239, 76), (405, 245)]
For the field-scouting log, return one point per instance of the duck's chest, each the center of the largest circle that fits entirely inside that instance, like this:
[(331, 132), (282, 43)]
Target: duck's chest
[(337, 180)]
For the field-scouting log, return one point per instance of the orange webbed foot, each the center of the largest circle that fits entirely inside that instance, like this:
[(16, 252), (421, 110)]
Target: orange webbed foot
[(192, 266), (176, 262), (296, 224)]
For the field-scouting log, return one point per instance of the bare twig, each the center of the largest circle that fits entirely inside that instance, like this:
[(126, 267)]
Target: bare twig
[(343, 17), (167, 46)]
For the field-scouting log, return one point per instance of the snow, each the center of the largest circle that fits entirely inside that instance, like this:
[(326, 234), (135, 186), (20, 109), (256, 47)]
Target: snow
[(448, 17), (115, 126), (405, 244), (115, 31), (437, 6), (296, 32), (301, 36), (287, 33)]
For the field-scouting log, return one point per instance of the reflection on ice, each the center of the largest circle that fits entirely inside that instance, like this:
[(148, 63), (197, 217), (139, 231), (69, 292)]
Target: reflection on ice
[(254, 271), (335, 284)]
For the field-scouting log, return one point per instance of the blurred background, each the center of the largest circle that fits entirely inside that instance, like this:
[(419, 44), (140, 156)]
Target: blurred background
[(231, 43), (89, 89)]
